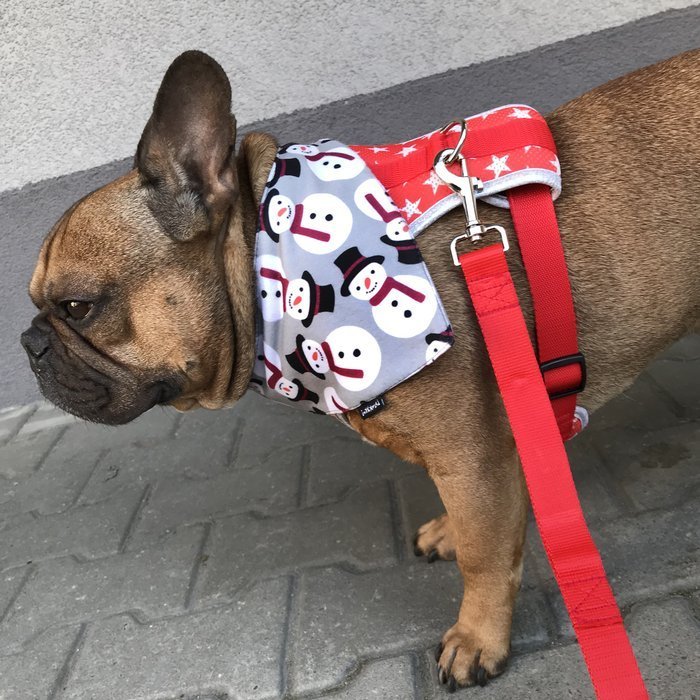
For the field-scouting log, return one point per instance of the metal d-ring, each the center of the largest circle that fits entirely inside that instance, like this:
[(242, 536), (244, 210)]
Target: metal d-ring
[(456, 151)]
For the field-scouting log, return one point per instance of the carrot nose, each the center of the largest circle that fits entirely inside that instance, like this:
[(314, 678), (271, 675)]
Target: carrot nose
[(296, 301), (282, 211), (314, 357), (368, 281)]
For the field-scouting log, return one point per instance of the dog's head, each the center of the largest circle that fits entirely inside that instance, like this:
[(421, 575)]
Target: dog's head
[(139, 284)]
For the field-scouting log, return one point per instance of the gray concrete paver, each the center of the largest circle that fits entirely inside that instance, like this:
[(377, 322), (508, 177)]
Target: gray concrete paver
[(21, 457), (385, 611), (336, 533), (89, 531), (260, 552), (336, 465), (32, 672), (270, 488), (175, 459), (52, 488), (12, 419), (653, 468), (151, 583), (234, 649)]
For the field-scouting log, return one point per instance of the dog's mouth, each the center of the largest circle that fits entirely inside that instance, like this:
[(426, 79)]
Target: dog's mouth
[(94, 389)]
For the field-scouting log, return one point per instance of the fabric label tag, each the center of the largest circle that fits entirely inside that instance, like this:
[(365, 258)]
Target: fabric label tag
[(369, 408)]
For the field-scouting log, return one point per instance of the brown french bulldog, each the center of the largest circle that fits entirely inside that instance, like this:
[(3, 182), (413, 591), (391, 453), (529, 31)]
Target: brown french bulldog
[(145, 291)]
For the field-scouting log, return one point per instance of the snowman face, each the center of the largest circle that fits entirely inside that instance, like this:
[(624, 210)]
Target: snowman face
[(338, 164), (302, 149), (354, 348), (435, 349), (286, 388), (315, 356), (298, 299), (397, 230), (280, 212), (402, 316), (325, 223), (368, 281), (270, 290)]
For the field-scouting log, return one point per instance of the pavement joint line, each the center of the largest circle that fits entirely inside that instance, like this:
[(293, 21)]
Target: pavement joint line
[(259, 514), (415, 675), (287, 638), (20, 425), (398, 531), (79, 492), (68, 664), (232, 455), (358, 665), (346, 566), (31, 568), (197, 565), (53, 444), (550, 624), (133, 521), (304, 476)]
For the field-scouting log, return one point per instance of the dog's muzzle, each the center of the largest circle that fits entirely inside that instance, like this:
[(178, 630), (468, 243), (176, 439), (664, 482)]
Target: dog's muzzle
[(99, 390)]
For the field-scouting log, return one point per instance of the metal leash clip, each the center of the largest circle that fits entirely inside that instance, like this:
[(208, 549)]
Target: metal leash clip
[(466, 187)]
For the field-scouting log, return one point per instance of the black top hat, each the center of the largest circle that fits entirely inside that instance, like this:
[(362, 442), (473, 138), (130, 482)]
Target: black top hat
[(304, 394), (447, 336), (350, 262), (298, 362), (321, 298), (265, 215), (282, 167), (407, 248)]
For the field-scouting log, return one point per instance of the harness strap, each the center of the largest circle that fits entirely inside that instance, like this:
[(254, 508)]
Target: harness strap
[(570, 549), (561, 364), (398, 169)]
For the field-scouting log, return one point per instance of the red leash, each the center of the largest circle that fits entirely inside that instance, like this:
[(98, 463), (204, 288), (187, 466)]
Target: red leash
[(570, 549), (539, 397)]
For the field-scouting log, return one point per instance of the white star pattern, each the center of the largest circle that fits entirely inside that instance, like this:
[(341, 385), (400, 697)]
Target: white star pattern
[(378, 149), (411, 208), (406, 150), (487, 113), (498, 165), (556, 165), (434, 181), (527, 149), (518, 113)]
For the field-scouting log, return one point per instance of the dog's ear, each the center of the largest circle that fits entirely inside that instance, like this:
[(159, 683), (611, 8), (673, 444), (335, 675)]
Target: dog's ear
[(186, 154)]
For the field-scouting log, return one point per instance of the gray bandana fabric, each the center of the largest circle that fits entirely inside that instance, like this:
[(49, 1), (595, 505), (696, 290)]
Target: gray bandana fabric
[(346, 307)]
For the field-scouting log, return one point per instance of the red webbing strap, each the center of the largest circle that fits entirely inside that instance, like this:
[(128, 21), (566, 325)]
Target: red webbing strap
[(541, 248), (392, 172), (572, 554)]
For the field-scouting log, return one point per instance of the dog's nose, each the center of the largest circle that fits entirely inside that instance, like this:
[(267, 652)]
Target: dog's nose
[(35, 342)]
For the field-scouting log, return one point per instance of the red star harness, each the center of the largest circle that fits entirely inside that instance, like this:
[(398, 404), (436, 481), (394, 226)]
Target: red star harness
[(539, 390)]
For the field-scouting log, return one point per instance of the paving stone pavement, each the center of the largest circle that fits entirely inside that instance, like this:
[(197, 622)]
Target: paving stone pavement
[(197, 556)]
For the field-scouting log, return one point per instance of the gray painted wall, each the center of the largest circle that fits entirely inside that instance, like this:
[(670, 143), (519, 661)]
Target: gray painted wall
[(544, 77), (78, 77)]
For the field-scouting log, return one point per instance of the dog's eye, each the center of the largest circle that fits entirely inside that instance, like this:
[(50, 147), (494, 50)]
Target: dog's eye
[(77, 310)]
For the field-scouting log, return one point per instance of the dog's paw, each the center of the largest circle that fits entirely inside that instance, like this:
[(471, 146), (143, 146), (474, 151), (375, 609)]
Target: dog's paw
[(464, 660), (435, 539)]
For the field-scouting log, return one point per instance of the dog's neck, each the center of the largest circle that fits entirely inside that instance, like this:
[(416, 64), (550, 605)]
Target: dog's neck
[(254, 162)]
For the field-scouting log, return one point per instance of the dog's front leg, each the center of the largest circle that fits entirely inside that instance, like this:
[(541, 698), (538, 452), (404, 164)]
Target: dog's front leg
[(486, 505)]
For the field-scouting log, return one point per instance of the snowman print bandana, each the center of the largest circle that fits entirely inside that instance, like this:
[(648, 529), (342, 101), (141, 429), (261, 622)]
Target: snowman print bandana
[(346, 309)]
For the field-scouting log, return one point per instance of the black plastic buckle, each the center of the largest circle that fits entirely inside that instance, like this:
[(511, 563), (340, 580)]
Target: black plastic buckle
[(565, 361)]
